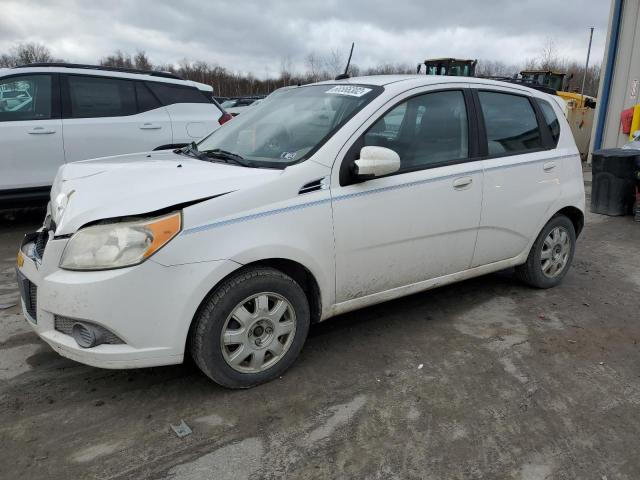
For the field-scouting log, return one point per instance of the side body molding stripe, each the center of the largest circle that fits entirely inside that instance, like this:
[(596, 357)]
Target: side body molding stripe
[(346, 196)]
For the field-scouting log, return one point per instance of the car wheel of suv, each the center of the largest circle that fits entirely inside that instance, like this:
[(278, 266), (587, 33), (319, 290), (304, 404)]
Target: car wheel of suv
[(251, 328), (551, 254)]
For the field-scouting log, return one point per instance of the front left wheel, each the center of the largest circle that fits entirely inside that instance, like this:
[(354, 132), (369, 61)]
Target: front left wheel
[(251, 328)]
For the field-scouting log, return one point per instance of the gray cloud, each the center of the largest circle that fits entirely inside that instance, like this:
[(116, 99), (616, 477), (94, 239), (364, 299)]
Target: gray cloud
[(255, 36)]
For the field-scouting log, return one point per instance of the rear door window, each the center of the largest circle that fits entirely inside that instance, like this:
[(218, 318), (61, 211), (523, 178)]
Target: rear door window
[(510, 123), (26, 97), (92, 97), (170, 93)]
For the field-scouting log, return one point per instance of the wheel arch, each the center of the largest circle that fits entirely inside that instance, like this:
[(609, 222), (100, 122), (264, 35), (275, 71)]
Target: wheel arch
[(575, 215), (301, 274)]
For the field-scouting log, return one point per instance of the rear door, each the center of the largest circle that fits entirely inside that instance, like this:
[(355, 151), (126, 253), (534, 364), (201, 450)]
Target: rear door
[(106, 116), (522, 176), (30, 131), (193, 113)]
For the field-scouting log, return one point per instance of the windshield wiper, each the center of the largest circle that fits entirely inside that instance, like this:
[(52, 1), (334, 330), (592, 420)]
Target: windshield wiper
[(228, 157), (190, 150)]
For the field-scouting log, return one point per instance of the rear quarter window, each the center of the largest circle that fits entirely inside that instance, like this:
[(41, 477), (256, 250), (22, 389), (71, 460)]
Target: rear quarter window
[(169, 93), (551, 119)]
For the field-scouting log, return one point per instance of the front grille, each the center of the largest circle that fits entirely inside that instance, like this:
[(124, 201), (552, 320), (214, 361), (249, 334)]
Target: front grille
[(41, 242), (65, 325), (29, 294)]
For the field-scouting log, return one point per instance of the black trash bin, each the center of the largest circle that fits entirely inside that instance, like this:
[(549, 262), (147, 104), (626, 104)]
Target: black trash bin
[(613, 187)]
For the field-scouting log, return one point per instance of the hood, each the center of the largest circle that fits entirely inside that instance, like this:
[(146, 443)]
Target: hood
[(141, 183)]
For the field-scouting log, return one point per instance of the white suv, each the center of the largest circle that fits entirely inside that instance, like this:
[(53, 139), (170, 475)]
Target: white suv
[(323, 199), (51, 114)]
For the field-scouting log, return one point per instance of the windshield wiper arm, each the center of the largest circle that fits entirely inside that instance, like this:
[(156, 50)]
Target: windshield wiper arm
[(190, 150), (226, 156)]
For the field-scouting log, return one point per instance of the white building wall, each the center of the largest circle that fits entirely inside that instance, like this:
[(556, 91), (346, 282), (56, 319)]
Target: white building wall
[(626, 72)]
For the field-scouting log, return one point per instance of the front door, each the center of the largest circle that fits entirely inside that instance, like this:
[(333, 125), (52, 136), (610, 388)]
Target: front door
[(420, 222), (30, 131)]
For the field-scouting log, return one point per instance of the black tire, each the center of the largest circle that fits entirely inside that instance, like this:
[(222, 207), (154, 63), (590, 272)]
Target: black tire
[(531, 271), (205, 337)]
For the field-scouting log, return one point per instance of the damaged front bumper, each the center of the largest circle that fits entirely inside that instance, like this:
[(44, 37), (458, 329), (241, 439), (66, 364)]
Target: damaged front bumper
[(145, 306)]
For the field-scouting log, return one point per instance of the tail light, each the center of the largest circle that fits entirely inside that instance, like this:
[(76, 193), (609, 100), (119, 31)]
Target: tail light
[(224, 118)]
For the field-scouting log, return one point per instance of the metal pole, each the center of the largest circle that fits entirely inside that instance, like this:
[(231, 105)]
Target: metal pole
[(586, 67)]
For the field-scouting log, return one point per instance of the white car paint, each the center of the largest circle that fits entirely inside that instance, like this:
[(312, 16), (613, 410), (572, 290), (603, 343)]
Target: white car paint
[(363, 243), (33, 150)]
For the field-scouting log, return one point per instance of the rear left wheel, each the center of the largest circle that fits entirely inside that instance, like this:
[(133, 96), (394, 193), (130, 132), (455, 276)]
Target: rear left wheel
[(551, 254)]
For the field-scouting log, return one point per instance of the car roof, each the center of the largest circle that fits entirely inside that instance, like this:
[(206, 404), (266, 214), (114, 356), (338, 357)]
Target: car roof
[(103, 72), (413, 81)]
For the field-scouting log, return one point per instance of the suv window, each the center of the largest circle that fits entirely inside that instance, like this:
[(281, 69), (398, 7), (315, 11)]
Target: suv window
[(510, 123), (169, 93), (146, 100), (425, 131), (25, 98), (551, 120), (101, 97)]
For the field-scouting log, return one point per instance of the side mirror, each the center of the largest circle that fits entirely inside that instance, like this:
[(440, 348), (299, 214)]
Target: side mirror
[(376, 162)]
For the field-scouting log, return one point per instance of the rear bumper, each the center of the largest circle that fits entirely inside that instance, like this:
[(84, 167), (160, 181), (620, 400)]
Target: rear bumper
[(149, 306)]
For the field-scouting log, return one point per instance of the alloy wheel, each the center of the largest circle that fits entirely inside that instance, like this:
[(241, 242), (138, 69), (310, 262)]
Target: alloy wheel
[(258, 332), (556, 249)]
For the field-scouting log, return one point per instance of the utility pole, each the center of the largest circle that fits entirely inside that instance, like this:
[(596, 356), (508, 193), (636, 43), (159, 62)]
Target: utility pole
[(586, 67)]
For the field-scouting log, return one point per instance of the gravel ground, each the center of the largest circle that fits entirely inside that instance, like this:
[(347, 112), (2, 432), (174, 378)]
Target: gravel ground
[(485, 379)]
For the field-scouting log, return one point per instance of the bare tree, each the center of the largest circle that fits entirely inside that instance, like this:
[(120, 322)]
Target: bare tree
[(313, 64), (494, 68), (31, 53), (7, 61), (118, 59), (317, 67), (549, 57), (141, 61), (285, 71), (334, 63), (25, 53)]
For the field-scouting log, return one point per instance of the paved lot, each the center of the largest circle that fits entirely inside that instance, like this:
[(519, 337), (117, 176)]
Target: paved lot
[(516, 384)]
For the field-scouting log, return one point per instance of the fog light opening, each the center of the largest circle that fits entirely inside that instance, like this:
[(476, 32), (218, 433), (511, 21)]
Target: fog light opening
[(85, 335)]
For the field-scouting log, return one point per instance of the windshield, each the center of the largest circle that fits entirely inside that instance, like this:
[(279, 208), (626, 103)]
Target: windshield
[(229, 103), (290, 124)]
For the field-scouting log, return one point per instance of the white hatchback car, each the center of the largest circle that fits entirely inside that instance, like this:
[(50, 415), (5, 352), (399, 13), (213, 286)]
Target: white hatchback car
[(51, 114), (323, 199)]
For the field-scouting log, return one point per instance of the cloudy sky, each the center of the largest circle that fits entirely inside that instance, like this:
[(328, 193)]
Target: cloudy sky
[(255, 36)]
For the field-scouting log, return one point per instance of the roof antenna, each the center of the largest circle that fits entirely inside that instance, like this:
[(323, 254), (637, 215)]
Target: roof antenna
[(344, 75)]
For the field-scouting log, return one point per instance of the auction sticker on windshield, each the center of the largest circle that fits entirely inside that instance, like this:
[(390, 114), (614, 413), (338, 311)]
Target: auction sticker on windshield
[(349, 90)]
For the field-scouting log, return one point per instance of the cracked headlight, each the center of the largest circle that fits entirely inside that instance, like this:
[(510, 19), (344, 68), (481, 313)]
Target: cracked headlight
[(117, 245)]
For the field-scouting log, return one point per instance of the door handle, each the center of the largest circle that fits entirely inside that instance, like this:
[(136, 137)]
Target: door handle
[(40, 131), (150, 126), (462, 183), (547, 167)]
